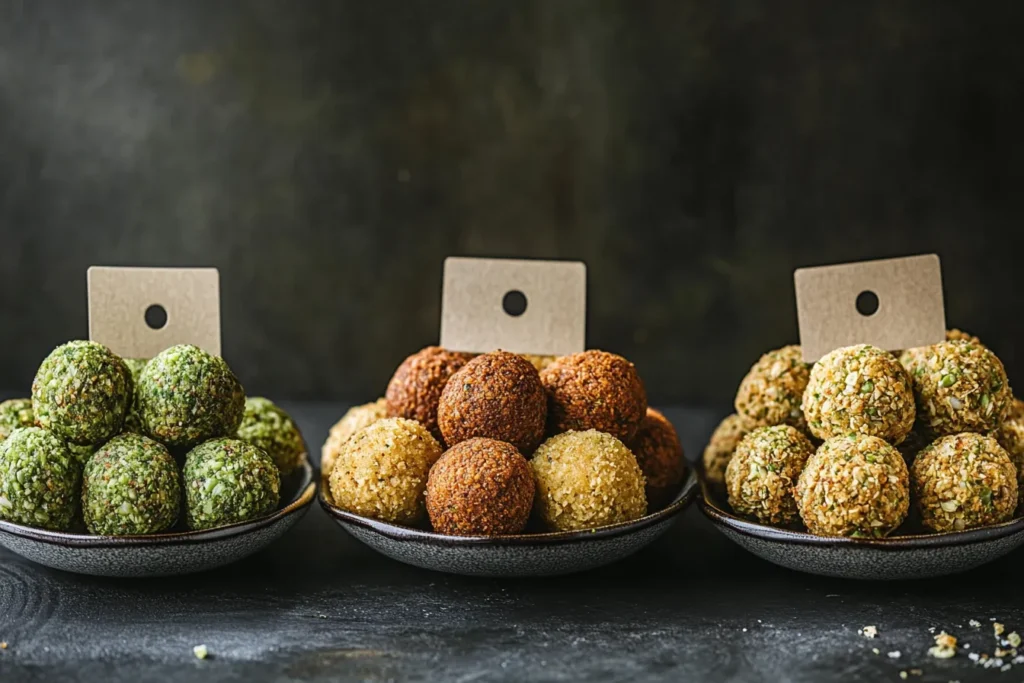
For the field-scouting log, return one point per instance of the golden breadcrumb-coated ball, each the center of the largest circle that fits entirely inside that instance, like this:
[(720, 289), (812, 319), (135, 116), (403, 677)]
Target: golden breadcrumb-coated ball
[(356, 418), (415, 389), (586, 480), (771, 391), (660, 456), (381, 471), (480, 487), (721, 447), (494, 396), (595, 390)]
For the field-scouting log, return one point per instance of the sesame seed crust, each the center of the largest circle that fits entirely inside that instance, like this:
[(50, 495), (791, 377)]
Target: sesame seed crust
[(963, 481), (859, 389), (760, 476), (854, 486), (480, 487), (354, 419), (772, 389)]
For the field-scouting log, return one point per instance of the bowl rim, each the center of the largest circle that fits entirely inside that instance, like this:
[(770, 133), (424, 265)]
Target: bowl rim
[(687, 492), (305, 493), (944, 539)]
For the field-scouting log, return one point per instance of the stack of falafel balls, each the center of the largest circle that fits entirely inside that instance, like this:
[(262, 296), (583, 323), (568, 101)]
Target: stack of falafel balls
[(860, 440), (480, 445), (99, 443)]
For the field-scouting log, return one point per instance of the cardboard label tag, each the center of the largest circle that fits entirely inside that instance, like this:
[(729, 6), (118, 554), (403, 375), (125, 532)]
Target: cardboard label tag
[(119, 299), (537, 307), (891, 303)]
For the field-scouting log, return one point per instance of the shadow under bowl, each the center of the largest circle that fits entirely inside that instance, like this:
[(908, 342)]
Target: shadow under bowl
[(520, 555), (912, 556), (166, 554)]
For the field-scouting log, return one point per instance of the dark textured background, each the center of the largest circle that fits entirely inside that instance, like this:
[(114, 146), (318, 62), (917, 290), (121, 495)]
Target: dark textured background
[(328, 155)]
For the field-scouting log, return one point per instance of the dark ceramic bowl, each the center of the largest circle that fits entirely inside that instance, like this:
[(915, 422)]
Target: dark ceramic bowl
[(544, 554), (166, 554), (913, 556)]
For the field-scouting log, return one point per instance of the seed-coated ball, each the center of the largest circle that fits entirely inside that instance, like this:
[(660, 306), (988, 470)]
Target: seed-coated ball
[(132, 421), (355, 419), (130, 487), (539, 362), (39, 480), (415, 389), (266, 426), (381, 471), (480, 487), (660, 456), (720, 448), (1010, 436), (494, 396), (186, 395), (855, 486), (228, 481), (859, 390), (82, 392), (15, 414), (586, 480), (771, 392), (964, 481), (762, 472), (595, 390), (960, 386)]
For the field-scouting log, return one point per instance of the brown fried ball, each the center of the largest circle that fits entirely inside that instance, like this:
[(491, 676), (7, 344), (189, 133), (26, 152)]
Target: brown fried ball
[(660, 456), (480, 487), (494, 396), (595, 390), (415, 388)]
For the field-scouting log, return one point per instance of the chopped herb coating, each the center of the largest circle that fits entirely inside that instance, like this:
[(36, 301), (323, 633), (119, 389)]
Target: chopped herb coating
[(771, 392), (1010, 436), (964, 481), (228, 481), (82, 392), (130, 487), (959, 386), (381, 471), (39, 480), (859, 389), (268, 427), (721, 447), (81, 453), (15, 414), (586, 480), (855, 486), (132, 421), (186, 396), (761, 474)]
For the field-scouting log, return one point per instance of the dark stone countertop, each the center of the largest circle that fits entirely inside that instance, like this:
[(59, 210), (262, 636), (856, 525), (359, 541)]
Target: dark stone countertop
[(317, 605)]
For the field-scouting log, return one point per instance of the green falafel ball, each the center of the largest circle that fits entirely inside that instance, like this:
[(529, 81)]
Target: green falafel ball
[(228, 481), (130, 487), (268, 427), (186, 396), (81, 392), (38, 480), (15, 414)]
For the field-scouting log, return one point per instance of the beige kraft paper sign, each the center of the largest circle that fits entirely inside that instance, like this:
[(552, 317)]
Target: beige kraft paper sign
[(909, 311), (546, 303), (120, 297)]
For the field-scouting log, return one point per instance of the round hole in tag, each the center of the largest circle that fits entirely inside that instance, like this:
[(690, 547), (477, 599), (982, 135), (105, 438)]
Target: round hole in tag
[(514, 303), (156, 316), (867, 303)]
